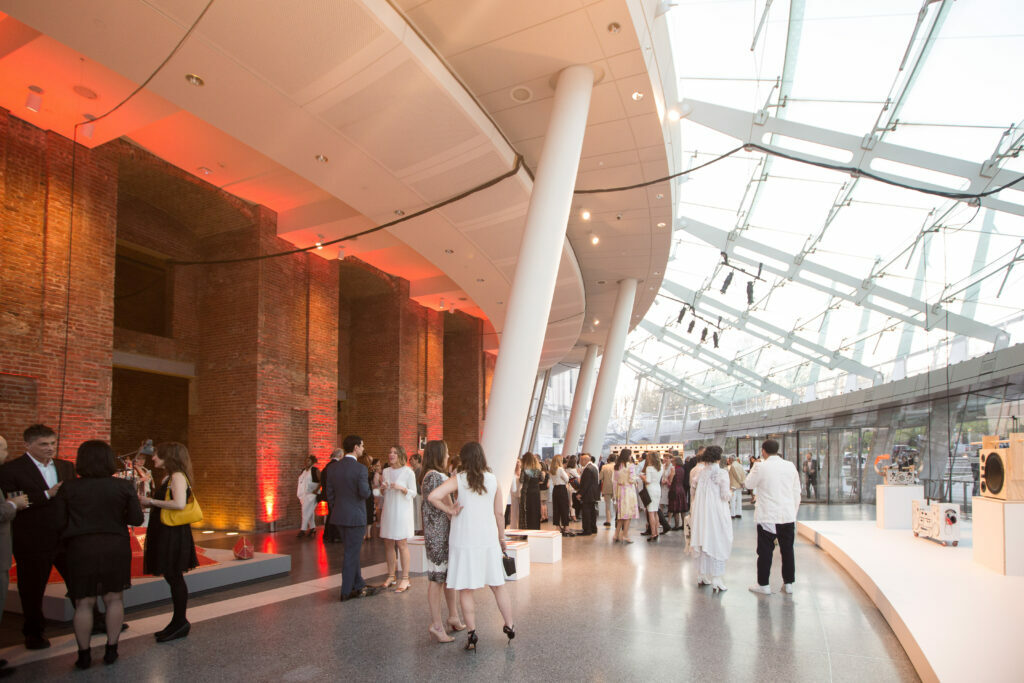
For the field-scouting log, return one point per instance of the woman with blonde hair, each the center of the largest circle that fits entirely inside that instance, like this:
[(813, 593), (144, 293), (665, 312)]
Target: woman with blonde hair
[(170, 550), (651, 476), (397, 523), (477, 539), (436, 528)]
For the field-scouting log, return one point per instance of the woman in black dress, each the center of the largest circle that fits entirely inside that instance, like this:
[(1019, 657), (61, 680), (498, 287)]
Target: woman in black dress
[(98, 508), (170, 550), (529, 493)]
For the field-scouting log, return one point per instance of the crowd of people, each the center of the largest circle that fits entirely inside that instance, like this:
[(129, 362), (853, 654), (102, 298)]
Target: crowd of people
[(77, 519)]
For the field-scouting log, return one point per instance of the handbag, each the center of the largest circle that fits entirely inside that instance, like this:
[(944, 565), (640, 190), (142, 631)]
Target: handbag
[(645, 497), (190, 514), (509, 563)]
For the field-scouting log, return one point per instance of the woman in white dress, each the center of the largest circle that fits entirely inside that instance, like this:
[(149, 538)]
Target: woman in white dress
[(711, 525), (398, 489), (477, 539), (309, 484), (651, 476)]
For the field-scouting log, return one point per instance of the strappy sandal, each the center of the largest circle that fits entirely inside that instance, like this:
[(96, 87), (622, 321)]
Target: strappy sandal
[(390, 581), (401, 588)]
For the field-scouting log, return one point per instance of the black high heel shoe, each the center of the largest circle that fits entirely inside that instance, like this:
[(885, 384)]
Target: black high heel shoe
[(471, 641), (110, 654), (510, 631), (84, 660)]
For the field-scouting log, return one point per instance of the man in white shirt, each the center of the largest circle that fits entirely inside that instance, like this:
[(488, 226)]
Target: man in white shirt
[(776, 483)]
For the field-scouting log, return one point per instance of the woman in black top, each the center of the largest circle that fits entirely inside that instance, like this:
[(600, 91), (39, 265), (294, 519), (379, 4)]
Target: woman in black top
[(529, 493), (98, 509), (170, 550)]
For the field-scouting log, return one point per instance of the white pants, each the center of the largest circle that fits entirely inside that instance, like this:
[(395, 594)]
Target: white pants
[(736, 504), (308, 512)]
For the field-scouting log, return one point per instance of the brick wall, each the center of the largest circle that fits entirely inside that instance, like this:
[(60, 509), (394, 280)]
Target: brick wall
[(463, 379), (145, 405), (35, 183)]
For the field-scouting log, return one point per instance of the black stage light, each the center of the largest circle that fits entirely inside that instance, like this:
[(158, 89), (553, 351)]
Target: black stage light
[(728, 281), (759, 267), (714, 338), (704, 335), (719, 321), (690, 328), (682, 312), (725, 258), (750, 293)]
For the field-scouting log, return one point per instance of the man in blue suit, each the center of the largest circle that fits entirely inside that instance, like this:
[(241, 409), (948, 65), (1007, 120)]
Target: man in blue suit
[(346, 488)]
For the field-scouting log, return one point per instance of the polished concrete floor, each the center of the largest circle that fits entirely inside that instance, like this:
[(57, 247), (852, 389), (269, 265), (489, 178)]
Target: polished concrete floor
[(606, 612)]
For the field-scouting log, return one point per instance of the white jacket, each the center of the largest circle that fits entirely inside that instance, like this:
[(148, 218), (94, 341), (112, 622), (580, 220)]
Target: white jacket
[(776, 483)]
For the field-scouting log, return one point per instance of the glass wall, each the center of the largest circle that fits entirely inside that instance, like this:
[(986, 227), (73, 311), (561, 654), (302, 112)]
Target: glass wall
[(789, 449), (813, 446), (844, 466)]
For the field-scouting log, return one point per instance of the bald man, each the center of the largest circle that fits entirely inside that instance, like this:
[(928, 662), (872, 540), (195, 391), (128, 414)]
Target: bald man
[(8, 508)]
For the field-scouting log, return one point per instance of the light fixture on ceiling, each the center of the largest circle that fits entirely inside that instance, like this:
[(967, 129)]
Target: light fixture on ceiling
[(501, 303), (714, 338), (596, 321), (87, 93), (614, 27), (689, 329), (727, 282), (637, 95), (585, 214), (321, 158), (750, 293), (195, 80), (601, 282), (319, 241), (204, 170), (399, 212), (479, 279), (521, 94), (657, 272), (661, 225), (594, 239), (674, 115), (34, 101), (440, 306), (659, 196), (87, 128), (682, 312), (704, 335), (449, 251), (341, 253)]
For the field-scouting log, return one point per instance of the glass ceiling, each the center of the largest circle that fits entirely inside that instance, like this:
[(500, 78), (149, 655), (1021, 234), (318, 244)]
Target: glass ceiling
[(837, 66)]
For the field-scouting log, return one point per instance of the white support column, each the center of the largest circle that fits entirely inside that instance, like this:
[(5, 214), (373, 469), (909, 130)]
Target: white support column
[(539, 415), (580, 399), (533, 286), (604, 394)]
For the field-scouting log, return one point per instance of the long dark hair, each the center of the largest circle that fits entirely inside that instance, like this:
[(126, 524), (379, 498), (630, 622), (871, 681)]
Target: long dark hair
[(622, 458), (175, 458), (433, 459), (473, 462)]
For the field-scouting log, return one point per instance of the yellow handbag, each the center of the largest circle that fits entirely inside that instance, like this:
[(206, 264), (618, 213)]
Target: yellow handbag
[(190, 514)]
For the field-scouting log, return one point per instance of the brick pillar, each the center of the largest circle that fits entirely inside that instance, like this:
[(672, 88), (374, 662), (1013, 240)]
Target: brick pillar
[(35, 183), (463, 380)]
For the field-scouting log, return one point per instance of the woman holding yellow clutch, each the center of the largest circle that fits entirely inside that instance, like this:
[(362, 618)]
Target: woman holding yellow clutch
[(170, 551)]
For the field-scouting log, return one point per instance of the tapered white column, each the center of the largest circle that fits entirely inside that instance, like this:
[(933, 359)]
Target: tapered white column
[(611, 360), (533, 286), (580, 399)]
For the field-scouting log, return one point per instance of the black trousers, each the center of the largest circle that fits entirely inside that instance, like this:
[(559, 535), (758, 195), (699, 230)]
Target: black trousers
[(330, 530), (351, 575), (784, 533), (33, 575), (588, 511)]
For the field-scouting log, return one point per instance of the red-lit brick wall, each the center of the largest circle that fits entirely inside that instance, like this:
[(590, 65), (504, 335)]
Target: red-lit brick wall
[(463, 379), (35, 184), (145, 405)]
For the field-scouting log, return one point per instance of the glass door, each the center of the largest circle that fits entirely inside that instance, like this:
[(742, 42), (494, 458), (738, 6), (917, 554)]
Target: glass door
[(813, 448), (873, 442), (789, 449), (844, 466)]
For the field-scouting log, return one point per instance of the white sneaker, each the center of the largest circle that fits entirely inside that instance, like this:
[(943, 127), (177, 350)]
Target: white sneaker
[(787, 588), (763, 590)]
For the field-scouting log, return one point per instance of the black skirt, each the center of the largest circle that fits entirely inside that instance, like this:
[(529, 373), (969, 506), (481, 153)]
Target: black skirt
[(169, 549), (98, 564)]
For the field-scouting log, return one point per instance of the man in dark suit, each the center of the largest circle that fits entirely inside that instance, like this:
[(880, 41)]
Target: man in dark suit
[(346, 488), (330, 532), (36, 530), (590, 493)]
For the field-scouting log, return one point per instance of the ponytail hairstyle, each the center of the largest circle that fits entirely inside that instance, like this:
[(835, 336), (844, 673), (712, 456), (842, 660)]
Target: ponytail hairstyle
[(473, 462)]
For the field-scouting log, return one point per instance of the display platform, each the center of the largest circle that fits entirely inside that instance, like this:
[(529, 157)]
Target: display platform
[(999, 543), (225, 570), (894, 505), (546, 546), (956, 620)]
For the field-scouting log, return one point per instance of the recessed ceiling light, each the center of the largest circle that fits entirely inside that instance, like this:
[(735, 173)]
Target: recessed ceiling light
[(208, 531), (585, 214), (637, 95), (501, 303), (449, 251), (601, 282), (521, 94), (657, 272), (399, 212), (319, 241), (463, 298), (596, 321), (195, 80), (614, 27), (661, 225), (231, 533), (479, 279), (594, 239), (34, 101), (659, 196), (674, 115), (87, 93), (321, 158)]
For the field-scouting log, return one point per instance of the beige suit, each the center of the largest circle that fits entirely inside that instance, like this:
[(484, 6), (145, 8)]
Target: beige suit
[(608, 490)]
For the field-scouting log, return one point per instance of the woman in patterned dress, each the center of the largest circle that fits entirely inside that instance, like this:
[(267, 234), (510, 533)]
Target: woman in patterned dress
[(436, 528), (625, 496)]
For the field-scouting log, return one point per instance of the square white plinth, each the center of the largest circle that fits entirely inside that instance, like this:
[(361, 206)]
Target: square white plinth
[(893, 505), (545, 546), (520, 551), (998, 528), (417, 555)]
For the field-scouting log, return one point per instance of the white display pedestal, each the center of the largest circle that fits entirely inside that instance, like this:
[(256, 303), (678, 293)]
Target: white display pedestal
[(998, 528), (545, 546), (894, 505), (417, 555), (520, 550)]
